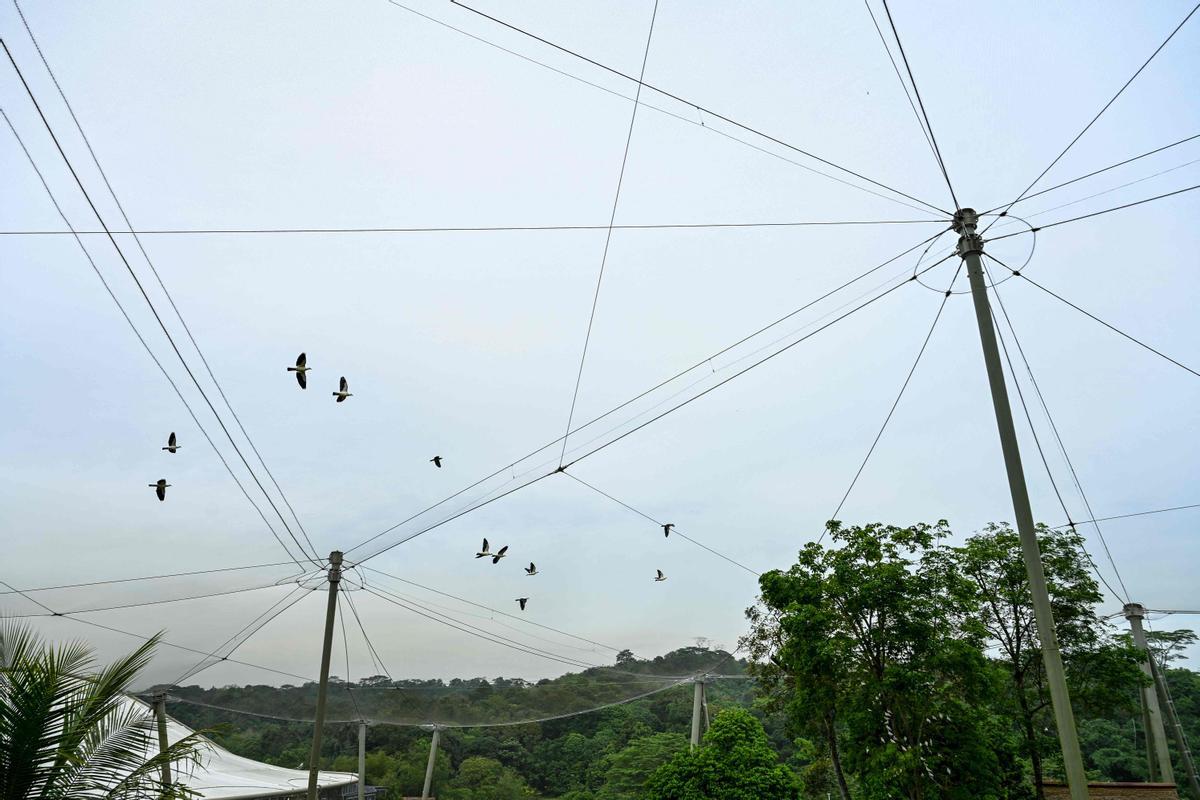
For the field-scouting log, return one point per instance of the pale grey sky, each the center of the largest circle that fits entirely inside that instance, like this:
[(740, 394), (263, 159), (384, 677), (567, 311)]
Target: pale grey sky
[(223, 115)]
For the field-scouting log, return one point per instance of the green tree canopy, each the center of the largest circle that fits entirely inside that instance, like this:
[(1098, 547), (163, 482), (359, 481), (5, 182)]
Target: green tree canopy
[(734, 762)]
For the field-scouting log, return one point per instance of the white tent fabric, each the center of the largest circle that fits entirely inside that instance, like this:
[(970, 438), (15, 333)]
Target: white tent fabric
[(225, 776)]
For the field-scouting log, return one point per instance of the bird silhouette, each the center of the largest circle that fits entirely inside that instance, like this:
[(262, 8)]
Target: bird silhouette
[(659, 577), (437, 461), (343, 390), (531, 570), (667, 529), (499, 554), (172, 446), (522, 601), (160, 488), (483, 551), (300, 369)]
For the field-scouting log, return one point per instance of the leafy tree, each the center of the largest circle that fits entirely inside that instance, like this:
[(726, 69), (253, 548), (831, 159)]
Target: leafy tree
[(482, 778), (628, 769), (878, 631), (1170, 646), (734, 762), (1101, 672), (68, 731)]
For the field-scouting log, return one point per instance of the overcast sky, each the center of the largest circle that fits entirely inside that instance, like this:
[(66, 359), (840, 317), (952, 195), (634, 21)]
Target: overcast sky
[(467, 345)]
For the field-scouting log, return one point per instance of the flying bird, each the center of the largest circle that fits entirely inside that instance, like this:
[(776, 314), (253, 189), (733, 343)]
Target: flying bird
[(171, 444), (343, 390), (437, 461), (659, 577), (667, 529), (522, 601), (531, 570), (499, 554), (300, 369), (483, 551), (160, 488)]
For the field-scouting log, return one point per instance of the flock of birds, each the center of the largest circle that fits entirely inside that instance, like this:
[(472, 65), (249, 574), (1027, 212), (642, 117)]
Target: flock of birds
[(301, 369)]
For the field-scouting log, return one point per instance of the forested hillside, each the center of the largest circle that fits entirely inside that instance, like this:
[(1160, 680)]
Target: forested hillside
[(884, 664)]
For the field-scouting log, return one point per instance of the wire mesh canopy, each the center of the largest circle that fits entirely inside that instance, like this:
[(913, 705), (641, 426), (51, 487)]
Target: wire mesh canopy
[(459, 704)]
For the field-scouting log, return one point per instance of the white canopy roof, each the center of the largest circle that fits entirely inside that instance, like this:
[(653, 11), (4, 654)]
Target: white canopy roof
[(227, 776)]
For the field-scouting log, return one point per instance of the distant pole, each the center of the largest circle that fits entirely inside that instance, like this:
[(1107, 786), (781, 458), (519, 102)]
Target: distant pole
[(362, 760), (433, 745), (1185, 754), (697, 707), (970, 247), (314, 759), (1156, 734), (160, 712)]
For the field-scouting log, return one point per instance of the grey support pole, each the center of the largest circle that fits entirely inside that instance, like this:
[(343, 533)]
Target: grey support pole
[(433, 745), (362, 760), (1156, 734), (697, 706), (160, 712), (1185, 754), (970, 246), (314, 759)]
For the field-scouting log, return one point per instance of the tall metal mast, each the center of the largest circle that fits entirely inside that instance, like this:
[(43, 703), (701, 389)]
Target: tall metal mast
[(970, 248)]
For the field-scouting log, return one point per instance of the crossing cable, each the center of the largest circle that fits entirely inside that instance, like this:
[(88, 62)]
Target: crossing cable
[(659, 385), (1110, 190), (1096, 213), (761, 361), (907, 94), (152, 577), (895, 404), (1090, 315), (149, 302), (179, 315), (248, 631), (142, 339), (1100, 113), (376, 659), (442, 616), (491, 228), (165, 643), (492, 620), (1098, 171), (144, 603), (659, 524), (652, 107), (1133, 514), (608, 236), (493, 610), (1057, 436), (346, 644), (657, 417), (937, 152), (692, 104), (479, 633)]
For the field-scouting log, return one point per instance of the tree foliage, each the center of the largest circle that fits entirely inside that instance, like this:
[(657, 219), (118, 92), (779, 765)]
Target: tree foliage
[(67, 731), (734, 762)]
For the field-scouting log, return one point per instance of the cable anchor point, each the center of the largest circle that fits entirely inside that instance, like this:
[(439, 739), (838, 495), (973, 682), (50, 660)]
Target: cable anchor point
[(965, 222)]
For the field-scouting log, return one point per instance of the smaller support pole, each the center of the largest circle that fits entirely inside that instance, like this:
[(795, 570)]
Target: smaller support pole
[(1156, 734), (314, 759), (1185, 754), (433, 746), (160, 712), (362, 760), (697, 706)]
